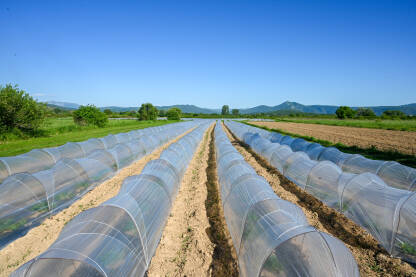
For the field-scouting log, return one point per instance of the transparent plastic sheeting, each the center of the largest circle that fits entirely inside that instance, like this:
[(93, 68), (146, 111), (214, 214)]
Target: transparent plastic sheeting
[(272, 236), (388, 213), (393, 173), (26, 198), (41, 159), (119, 237)]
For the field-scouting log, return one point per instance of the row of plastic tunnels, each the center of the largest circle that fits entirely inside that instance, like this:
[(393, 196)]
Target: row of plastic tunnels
[(43, 181), (271, 236), (377, 195), (119, 237)]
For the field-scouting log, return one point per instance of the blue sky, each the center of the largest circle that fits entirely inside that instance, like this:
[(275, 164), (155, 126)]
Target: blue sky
[(210, 53)]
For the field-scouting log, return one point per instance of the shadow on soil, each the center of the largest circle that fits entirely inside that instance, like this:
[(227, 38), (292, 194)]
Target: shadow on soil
[(224, 261)]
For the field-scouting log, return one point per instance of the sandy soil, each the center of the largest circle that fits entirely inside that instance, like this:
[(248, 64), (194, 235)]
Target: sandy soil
[(38, 239), (185, 249), (402, 141), (371, 259)]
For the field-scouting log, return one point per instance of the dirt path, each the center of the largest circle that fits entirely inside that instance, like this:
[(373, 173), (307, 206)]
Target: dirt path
[(371, 259), (38, 239), (402, 141), (186, 248)]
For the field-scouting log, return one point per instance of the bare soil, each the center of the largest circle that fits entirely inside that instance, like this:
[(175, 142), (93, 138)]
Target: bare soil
[(38, 239), (371, 258), (187, 246), (185, 249), (401, 141)]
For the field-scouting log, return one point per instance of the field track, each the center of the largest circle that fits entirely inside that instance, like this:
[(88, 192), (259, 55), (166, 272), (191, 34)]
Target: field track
[(402, 141), (371, 259), (38, 239)]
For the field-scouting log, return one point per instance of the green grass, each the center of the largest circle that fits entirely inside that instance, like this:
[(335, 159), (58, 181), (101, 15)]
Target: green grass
[(371, 153), (58, 131), (388, 124)]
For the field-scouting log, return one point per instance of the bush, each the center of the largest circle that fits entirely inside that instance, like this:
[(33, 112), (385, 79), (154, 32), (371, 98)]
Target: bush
[(19, 110), (147, 112), (235, 111), (173, 114), (108, 112), (90, 115), (345, 112), (394, 114), (178, 110), (365, 112)]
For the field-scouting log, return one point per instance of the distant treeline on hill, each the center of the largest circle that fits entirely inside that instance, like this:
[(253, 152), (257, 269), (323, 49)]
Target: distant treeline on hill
[(286, 108)]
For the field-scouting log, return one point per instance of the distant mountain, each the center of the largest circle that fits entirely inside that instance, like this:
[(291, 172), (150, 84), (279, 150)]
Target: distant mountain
[(119, 109), (409, 109), (285, 107), (64, 104), (52, 106), (292, 106), (189, 109)]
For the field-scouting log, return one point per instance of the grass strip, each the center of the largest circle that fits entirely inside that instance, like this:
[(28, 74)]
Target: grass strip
[(20, 146)]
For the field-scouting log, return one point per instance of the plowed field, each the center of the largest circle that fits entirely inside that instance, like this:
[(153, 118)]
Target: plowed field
[(402, 141)]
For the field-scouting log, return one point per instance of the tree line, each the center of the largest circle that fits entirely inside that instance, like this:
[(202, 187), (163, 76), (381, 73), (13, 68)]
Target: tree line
[(19, 111)]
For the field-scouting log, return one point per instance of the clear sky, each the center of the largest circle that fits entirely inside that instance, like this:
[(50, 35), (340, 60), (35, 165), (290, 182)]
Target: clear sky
[(210, 53)]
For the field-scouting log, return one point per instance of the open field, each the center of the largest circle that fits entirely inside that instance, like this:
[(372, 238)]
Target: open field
[(58, 131), (387, 140), (388, 124)]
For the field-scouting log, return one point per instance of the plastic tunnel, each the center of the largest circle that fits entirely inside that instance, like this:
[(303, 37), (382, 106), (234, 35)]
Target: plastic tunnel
[(393, 173), (27, 197), (119, 237), (272, 236), (386, 212)]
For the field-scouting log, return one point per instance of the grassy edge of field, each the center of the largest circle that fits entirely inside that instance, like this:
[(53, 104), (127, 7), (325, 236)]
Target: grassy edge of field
[(16, 147), (371, 153), (384, 124)]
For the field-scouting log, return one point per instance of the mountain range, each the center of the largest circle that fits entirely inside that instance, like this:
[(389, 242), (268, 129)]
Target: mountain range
[(287, 106)]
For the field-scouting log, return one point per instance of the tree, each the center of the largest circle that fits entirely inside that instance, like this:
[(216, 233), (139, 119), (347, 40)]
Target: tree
[(178, 110), (235, 111), (173, 114), (393, 114), (19, 110), (147, 112), (108, 112), (345, 112), (365, 112), (225, 110), (90, 115), (162, 113)]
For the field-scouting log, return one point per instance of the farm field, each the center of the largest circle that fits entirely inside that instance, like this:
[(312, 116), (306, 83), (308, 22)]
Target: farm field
[(38, 239), (58, 131), (386, 140), (387, 124), (371, 260), (195, 239)]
